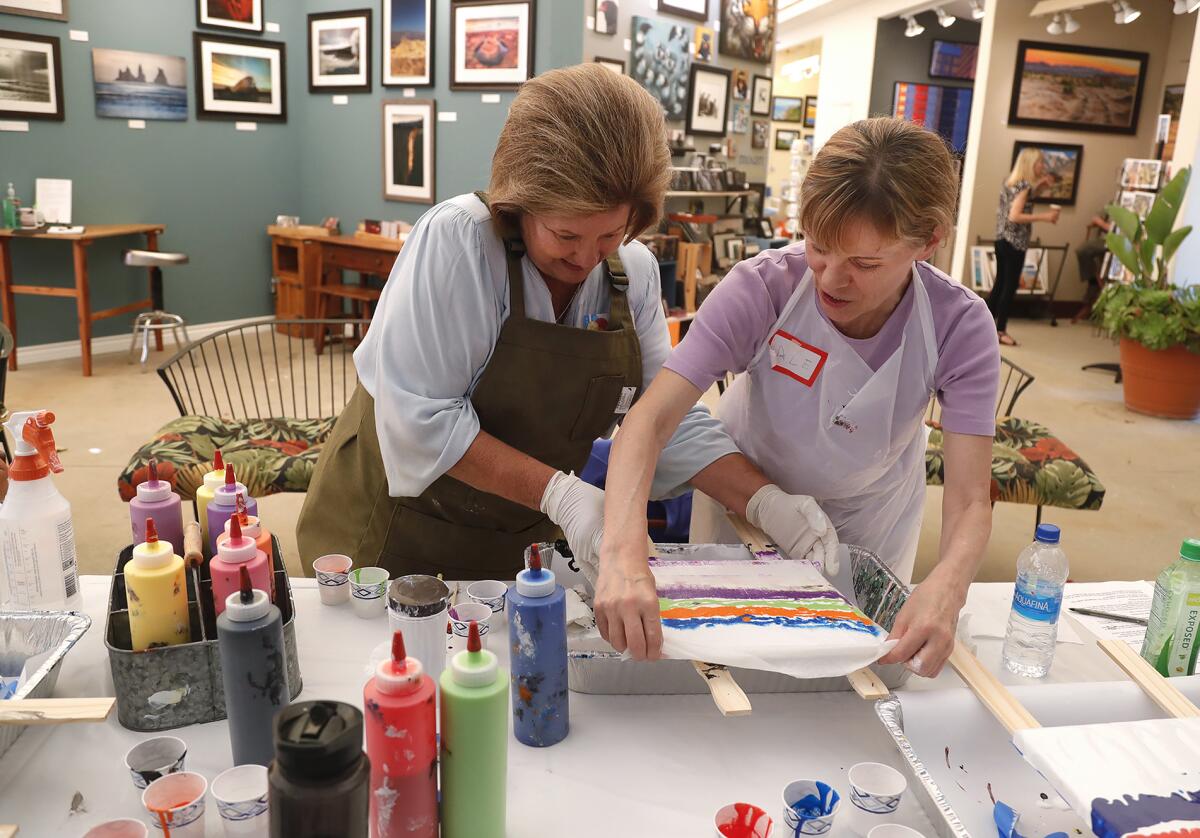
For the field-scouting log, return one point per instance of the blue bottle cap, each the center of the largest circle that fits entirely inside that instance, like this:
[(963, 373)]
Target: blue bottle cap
[(1047, 533)]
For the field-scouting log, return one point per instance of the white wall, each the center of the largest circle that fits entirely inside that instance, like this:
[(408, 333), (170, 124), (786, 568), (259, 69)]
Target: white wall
[(1186, 268)]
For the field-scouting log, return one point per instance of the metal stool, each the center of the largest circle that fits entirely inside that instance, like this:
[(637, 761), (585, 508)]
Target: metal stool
[(157, 320)]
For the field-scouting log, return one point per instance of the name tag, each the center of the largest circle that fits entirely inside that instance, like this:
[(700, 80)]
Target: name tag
[(626, 400), (795, 358)]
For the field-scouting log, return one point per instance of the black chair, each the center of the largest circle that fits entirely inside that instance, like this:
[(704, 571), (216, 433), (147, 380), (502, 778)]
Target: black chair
[(1013, 382)]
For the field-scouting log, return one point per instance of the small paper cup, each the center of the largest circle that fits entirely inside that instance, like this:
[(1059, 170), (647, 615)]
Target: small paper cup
[(461, 616), (119, 828), (894, 830), (876, 788), (176, 804), (333, 578), (155, 757), (822, 802), (241, 796), (367, 585), (489, 592), (750, 821)]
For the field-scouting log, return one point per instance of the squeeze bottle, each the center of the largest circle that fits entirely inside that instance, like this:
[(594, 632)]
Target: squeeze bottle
[(156, 500), (224, 505), (474, 704), (402, 747), (250, 643), (537, 633), (37, 540), (213, 480), (251, 526), (1171, 639), (156, 588), (234, 554), (10, 207)]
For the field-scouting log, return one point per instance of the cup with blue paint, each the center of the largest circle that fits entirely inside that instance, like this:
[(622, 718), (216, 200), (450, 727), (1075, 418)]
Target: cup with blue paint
[(809, 807), (155, 757), (875, 794)]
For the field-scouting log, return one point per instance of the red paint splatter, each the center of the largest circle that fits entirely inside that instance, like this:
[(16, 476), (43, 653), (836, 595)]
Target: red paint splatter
[(992, 796), (749, 822), (525, 694)]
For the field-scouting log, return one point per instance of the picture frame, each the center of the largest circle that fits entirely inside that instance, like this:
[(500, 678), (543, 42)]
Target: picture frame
[(704, 46), (406, 41), (224, 65), (1047, 73), (708, 101), (1035, 273), (660, 61), (694, 9), (741, 84), (409, 150), (339, 52), (1138, 173), (604, 15), (759, 128), (784, 137), (720, 248), (787, 109), (760, 98), (954, 60), (243, 15), (748, 30), (491, 44), (32, 71), (45, 9), (739, 117), (764, 229), (810, 111), (946, 110), (1137, 200), (614, 64), (735, 249), (983, 268), (157, 90), (1063, 162)]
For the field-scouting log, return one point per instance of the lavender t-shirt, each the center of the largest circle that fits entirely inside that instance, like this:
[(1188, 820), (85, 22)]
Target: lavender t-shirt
[(740, 313)]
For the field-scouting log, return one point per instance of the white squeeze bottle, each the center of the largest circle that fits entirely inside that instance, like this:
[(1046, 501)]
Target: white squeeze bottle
[(1037, 599), (37, 541)]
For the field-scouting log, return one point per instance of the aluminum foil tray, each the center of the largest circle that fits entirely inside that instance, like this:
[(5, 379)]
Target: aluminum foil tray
[(24, 634)]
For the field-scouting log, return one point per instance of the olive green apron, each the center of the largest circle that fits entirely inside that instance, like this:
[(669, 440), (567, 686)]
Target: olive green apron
[(549, 391)]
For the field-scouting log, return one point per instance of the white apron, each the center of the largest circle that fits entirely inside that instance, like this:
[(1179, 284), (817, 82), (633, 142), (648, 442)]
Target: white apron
[(811, 414)]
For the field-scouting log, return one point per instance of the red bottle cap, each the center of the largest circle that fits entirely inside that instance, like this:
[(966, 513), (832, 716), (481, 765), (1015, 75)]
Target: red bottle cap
[(474, 644), (230, 480), (401, 674), (151, 531), (535, 558), (153, 470), (218, 461)]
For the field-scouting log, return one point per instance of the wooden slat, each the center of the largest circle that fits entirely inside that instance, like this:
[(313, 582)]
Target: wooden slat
[(125, 309), (730, 698), (90, 231), (9, 830), (867, 684), (44, 290), (995, 696), (1161, 691), (53, 711)]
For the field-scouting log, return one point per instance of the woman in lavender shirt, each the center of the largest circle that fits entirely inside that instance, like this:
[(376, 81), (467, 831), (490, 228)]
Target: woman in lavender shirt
[(839, 344)]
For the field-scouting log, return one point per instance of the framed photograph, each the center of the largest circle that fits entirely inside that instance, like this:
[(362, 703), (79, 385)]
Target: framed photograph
[(810, 111), (1034, 273), (748, 30), (606, 12), (614, 64), (735, 248), (741, 84), (740, 117), (407, 35), (695, 9), (983, 268), (246, 15), (49, 9), (1062, 164), (953, 60), (238, 78), (759, 128), (491, 44), (784, 137), (760, 101), (946, 110), (139, 85), (1140, 174), (808, 144), (764, 229), (409, 165), (30, 76), (1077, 88), (705, 44), (339, 52), (1138, 201), (787, 108), (661, 60), (720, 248), (708, 102)]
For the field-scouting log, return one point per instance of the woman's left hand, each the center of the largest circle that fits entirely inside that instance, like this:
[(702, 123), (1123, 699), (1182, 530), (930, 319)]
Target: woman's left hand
[(927, 623)]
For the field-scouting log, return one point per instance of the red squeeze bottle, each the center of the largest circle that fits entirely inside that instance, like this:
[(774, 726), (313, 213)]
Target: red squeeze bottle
[(401, 733)]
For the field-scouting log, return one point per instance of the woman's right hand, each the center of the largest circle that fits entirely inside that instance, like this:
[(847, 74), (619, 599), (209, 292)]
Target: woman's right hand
[(626, 604), (1051, 216)]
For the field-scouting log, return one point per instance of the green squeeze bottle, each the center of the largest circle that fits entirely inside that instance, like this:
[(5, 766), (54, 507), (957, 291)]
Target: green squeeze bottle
[(474, 701), (1173, 633)]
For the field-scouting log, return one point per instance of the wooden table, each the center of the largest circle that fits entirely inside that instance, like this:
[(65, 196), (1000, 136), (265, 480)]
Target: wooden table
[(81, 292)]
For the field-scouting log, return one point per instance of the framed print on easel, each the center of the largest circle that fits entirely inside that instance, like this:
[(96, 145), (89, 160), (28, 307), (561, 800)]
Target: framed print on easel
[(48, 9), (339, 52), (407, 35), (409, 164), (491, 44), (246, 15)]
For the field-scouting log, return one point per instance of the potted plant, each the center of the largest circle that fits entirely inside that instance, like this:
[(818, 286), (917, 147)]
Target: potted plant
[(1157, 323)]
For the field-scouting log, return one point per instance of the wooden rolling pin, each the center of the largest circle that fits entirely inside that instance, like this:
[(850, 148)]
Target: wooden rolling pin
[(193, 545), (53, 711)]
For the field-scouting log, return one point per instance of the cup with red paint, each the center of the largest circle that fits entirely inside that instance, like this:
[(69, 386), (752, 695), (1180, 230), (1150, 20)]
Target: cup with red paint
[(176, 804), (743, 820), (119, 828)]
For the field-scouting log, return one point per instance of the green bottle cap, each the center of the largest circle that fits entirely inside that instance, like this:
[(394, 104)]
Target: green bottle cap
[(1190, 550)]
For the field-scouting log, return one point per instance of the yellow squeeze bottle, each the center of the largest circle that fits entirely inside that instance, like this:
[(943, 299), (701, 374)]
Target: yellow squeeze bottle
[(156, 588), (204, 493)]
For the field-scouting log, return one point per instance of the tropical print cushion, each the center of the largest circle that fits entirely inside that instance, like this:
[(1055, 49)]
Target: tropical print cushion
[(1029, 465), (268, 455)]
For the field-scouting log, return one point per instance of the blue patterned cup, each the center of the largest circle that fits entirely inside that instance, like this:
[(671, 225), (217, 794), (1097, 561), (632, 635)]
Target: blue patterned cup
[(491, 593), (876, 788), (367, 587), (809, 807), (155, 757), (176, 804), (241, 795)]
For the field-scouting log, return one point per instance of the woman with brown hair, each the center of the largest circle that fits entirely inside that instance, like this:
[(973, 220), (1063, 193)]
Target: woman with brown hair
[(516, 328), (840, 343)]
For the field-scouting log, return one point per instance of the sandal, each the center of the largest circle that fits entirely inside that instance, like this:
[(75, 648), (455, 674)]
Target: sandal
[(1006, 339)]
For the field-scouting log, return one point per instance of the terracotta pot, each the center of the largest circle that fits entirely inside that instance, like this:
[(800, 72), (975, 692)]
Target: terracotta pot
[(1163, 383)]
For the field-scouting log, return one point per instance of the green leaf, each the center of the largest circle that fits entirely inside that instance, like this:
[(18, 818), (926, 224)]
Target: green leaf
[(1161, 219), (1174, 191), (1123, 249), (1171, 242), (1146, 254), (1126, 220)]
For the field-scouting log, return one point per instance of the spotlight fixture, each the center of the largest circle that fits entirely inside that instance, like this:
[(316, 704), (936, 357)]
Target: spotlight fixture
[(1124, 13), (913, 29), (1071, 25), (945, 18), (1055, 27), (977, 9), (1183, 7)]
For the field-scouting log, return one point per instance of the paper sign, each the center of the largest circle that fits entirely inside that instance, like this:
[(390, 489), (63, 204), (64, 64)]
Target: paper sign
[(795, 358), (490, 98), (10, 125), (628, 44), (246, 126), (272, 26), (626, 400), (447, 116), (137, 124), (341, 99), (409, 92), (591, 22), (53, 198), (78, 35)]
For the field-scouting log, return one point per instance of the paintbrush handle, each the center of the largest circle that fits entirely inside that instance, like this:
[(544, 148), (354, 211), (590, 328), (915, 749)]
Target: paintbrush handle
[(52, 711), (1161, 691), (730, 699), (995, 696)]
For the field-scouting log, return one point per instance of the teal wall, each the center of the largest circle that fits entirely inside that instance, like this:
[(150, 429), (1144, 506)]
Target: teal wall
[(216, 188)]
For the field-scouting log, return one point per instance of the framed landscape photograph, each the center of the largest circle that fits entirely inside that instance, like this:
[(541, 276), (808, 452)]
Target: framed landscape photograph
[(407, 43), (748, 29), (491, 44), (946, 110), (139, 85), (661, 61), (1077, 88), (246, 15), (240, 79), (614, 64), (760, 101), (409, 165), (708, 102), (339, 52), (787, 108), (49, 9), (695, 9), (606, 16), (810, 111), (1062, 164), (784, 137), (31, 84), (953, 60), (759, 128)]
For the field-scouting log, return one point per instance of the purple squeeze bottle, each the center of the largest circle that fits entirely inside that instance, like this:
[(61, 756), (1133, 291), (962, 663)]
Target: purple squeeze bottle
[(156, 500), (224, 506)]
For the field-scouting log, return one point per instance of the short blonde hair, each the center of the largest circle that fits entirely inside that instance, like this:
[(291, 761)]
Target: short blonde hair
[(582, 140), (1024, 169), (888, 172)]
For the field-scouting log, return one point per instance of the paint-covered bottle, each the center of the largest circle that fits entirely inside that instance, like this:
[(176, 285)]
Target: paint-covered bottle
[(250, 643), (234, 554), (474, 745), (156, 590), (212, 481), (223, 506), (319, 779), (155, 499), (251, 527), (401, 721), (537, 633)]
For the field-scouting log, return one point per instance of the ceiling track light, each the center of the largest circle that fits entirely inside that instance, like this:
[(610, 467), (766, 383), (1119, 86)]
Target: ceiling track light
[(1192, 5), (1183, 7), (1124, 13), (1055, 27), (913, 29), (977, 12), (1071, 25), (944, 18)]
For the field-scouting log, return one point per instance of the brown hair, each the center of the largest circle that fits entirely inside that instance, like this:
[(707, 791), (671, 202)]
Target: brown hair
[(888, 172), (582, 140)]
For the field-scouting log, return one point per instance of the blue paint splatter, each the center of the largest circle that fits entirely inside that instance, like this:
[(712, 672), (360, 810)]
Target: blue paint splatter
[(765, 620), (1129, 814)]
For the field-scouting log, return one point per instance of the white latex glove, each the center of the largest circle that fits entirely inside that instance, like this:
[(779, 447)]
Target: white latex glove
[(578, 509), (796, 524)]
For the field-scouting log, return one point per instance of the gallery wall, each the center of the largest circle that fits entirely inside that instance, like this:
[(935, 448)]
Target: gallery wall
[(899, 58), (779, 168)]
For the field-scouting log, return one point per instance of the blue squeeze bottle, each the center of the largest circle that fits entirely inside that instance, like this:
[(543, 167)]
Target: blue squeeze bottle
[(537, 632)]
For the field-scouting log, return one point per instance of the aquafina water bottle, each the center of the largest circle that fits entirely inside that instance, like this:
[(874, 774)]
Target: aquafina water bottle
[(1033, 623)]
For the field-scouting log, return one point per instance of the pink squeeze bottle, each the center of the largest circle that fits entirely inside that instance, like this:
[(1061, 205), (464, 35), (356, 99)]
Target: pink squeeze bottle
[(223, 506), (156, 500), (233, 554)]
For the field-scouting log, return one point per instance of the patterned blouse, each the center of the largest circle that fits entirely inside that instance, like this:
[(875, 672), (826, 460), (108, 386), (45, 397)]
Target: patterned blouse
[(1015, 234)]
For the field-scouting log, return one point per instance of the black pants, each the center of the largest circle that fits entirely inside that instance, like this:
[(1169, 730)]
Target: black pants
[(1009, 263)]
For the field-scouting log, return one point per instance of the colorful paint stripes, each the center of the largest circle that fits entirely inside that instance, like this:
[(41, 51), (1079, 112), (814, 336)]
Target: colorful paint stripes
[(691, 608)]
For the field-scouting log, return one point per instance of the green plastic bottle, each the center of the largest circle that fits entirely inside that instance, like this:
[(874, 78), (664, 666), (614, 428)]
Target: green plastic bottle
[(474, 749), (1173, 633)]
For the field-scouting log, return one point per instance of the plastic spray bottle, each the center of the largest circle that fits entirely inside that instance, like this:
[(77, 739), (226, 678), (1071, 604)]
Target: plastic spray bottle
[(537, 632), (213, 480), (235, 554), (156, 500), (1173, 634), (37, 539), (224, 505), (156, 588)]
